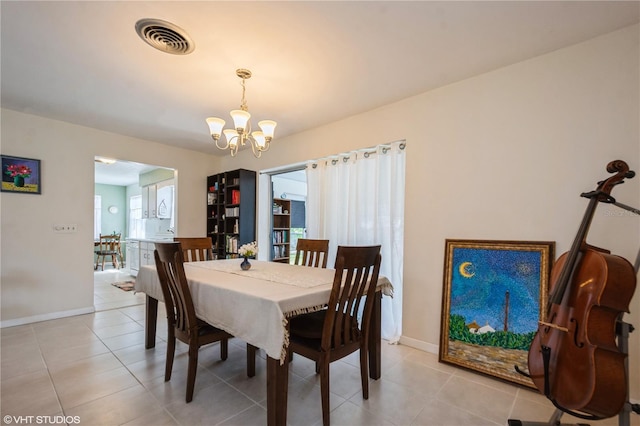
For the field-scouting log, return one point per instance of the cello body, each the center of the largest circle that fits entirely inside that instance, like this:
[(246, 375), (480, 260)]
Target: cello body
[(574, 358), (590, 376)]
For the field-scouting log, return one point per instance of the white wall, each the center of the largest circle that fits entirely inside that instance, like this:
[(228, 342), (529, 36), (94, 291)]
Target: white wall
[(504, 155), (46, 275)]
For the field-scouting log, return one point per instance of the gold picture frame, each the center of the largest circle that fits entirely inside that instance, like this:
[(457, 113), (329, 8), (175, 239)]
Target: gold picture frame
[(494, 295)]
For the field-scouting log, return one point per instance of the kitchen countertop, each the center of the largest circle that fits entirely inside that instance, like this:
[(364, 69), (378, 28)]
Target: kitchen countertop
[(151, 240)]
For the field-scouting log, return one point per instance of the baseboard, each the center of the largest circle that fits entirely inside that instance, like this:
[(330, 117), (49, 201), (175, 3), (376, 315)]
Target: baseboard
[(47, 317), (419, 344)]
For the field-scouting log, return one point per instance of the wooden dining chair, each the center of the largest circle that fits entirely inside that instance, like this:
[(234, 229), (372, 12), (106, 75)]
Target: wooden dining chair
[(108, 246), (312, 252), (333, 333), (195, 249), (181, 316)]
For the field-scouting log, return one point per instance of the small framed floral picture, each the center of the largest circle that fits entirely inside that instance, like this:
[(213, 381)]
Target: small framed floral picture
[(20, 175)]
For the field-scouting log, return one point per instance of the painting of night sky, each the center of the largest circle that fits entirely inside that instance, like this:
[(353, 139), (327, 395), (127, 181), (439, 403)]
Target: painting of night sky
[(496, 288)]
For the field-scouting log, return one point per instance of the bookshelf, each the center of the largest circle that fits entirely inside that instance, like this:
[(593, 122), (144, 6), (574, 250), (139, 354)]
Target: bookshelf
[(231, 211), (281, 232)]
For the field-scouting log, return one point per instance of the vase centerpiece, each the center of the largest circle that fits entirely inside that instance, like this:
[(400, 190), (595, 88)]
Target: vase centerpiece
[(247, 251)]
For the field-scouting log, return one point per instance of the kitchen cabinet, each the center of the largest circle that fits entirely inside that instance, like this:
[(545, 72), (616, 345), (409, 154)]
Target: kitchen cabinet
[(133, 256), (157, 200), (164, 200), (149, 206), (146, 253), (139, 253)]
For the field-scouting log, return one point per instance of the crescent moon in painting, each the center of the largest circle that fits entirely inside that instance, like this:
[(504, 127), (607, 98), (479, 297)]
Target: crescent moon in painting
[(466, 269)]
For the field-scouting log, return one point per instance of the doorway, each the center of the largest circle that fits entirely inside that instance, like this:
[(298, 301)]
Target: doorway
[(288, 215), (117, 192)]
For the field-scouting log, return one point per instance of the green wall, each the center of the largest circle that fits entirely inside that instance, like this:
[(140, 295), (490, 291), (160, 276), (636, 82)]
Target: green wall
[(113, 195)]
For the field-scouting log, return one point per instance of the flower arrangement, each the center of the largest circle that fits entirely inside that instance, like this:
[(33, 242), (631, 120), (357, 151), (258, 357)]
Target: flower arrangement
[(18, 170), (248, 250)]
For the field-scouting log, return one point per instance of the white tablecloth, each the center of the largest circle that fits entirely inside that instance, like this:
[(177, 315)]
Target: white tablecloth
[(252, 305)]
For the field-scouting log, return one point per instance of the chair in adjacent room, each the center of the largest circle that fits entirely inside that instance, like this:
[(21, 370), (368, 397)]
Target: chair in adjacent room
[(181, 316), (108, 246), (312, 252), (333, 333), (195, 249)]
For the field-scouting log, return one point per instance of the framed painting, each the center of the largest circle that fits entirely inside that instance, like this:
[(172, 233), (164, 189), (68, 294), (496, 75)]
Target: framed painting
[(20, 175), (495, 292)]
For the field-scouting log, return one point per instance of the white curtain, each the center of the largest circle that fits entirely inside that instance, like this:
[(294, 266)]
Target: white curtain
[(357, 198)]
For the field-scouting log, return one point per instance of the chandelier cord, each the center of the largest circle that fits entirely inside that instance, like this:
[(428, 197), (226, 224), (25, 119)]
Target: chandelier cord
[(243, 104)]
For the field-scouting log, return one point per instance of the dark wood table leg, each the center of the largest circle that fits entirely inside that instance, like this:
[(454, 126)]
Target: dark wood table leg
[(277, 389), (150, 321), (375, 361), (251, 360)]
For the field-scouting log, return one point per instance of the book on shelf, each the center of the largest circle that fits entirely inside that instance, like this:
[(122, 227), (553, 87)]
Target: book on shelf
[(232, 211), (280, 251), (280, 237), (235, 196), (232, 244)]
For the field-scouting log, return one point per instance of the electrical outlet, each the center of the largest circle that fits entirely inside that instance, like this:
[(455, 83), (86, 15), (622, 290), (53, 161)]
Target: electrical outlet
[(65, 228)]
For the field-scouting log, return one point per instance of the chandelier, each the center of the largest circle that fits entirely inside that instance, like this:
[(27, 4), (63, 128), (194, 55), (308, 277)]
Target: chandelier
[(241, 133)]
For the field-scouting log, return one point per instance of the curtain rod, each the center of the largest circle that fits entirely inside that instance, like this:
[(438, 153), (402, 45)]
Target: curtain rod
[(366, 152)]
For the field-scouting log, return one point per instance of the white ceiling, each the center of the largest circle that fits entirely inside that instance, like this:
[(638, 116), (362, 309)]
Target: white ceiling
[(312, 62)]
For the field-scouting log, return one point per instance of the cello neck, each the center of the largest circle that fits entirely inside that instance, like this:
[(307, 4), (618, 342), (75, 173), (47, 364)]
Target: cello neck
[(574, 254), (602, 193)]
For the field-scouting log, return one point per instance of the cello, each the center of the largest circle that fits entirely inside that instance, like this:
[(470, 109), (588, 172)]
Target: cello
[(574, 359)]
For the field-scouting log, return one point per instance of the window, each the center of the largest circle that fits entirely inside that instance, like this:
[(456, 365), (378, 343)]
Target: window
[(136, 229), (97, 216)]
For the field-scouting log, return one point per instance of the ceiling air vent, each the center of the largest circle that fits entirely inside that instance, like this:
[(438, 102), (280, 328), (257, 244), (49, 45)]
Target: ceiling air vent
[(165, 36)]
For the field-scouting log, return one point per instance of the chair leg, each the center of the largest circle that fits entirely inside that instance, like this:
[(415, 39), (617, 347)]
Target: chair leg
[(171, 350), (193, 366), (324, 390), (364, 372), (224, 349)]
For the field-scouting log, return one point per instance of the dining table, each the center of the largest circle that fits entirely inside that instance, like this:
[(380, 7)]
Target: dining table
[(255, 305)]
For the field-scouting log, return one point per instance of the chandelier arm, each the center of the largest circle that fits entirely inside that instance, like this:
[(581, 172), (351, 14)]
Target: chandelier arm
[(257, 150), (253, 144), (218, 145), (234, 148)]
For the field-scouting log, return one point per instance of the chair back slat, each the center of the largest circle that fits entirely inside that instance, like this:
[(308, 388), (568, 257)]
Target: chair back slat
[(175, 288), (109, 243), (355, 281), (196, 249), (312, 252)]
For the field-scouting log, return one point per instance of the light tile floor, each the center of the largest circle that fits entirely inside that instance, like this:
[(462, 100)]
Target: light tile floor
[(94, 368)]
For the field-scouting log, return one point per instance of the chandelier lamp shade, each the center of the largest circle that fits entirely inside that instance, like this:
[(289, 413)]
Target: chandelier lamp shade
[(241, 132)]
